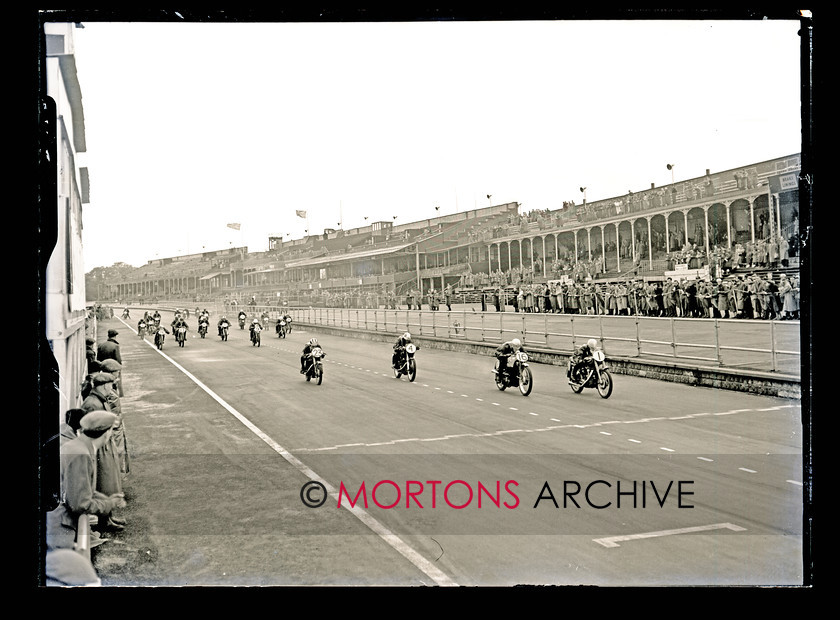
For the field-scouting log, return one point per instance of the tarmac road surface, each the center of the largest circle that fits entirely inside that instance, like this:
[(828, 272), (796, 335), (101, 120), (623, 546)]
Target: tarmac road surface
[(661, 484)]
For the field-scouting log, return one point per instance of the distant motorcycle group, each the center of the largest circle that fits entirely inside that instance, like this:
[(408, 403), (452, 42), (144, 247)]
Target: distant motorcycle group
[(587, 367)]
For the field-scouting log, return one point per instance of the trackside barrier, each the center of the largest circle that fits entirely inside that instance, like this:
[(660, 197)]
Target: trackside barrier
[(767, 346)]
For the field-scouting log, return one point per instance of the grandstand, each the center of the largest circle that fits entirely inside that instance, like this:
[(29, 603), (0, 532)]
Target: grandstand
[(700, 222)]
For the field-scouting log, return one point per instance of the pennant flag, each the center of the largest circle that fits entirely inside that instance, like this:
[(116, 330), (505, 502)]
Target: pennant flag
[(300, 213), (234, 226)]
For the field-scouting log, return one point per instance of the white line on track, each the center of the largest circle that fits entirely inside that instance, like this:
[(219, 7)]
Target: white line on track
[(614, 540), (395, 542)]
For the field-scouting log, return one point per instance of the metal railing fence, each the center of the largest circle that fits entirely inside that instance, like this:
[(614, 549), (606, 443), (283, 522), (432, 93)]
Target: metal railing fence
[(726, 343)]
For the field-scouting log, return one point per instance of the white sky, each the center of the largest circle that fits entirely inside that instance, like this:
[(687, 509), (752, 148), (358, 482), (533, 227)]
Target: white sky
[(190, 127)]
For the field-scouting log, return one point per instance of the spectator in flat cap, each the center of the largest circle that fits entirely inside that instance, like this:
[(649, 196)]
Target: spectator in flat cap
[(101, 383), (90, 354), (118, 431), (109, 472), (65, 567), (110, 349), (78, 483)]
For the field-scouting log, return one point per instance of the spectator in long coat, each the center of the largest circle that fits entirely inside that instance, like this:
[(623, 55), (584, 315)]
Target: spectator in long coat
[(118, 432), (789, 306), (79, 494), (110, 349), (109, 474)]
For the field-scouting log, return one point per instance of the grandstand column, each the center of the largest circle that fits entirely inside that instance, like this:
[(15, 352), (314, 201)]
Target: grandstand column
[(509, 258), (531, 252), (603, 250), (589, 243), (544, 256), (650, 244), (685, 218), (752, 219), (617, 248), (727, 204), (706, 229)]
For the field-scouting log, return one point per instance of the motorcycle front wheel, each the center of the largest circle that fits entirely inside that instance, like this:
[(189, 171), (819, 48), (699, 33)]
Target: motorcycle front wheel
[(412, 370), (526, 381), (605, 385), (320, 375)]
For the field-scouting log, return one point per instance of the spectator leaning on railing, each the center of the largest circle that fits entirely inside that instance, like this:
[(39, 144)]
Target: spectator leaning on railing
[(78, 482)]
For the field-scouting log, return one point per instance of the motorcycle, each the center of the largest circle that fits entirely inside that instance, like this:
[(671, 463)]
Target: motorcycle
[(223, 331), (181, 336), (160, 336), (517, 374), (125, 314), (255, 336), (406, 365), (288, 325), (202, 329), (141, 330), (315, 366), (242, 322), (281, 328), (592, 375)]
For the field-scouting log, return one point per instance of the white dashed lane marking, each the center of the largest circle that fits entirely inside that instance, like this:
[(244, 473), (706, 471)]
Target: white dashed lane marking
[(536, 414)]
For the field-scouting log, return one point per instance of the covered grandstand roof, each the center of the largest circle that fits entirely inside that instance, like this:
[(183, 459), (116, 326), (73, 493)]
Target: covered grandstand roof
[(352, 255)]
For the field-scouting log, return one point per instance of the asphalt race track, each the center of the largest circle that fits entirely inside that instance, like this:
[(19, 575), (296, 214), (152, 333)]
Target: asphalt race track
[(661, 484)]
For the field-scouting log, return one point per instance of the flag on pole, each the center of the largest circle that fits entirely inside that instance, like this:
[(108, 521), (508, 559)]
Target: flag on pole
[(234, 226), (300, 213)]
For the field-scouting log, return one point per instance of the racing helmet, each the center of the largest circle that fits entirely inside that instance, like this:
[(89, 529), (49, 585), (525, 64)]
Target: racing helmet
[(516, 343), (592, 344), (313, 342), (406, 336), (256, 321)]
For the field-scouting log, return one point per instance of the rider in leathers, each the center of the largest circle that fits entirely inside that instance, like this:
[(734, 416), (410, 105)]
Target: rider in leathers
[(507, 349), (581, 356), (251, 327), (399, 345), (219, 324), (179, 322), (307, 351)]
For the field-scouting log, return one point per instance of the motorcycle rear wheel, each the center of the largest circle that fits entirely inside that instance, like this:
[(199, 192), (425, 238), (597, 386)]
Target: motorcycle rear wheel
[(605, 385)]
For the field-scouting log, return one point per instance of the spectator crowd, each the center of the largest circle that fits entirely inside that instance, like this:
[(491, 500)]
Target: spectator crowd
[(94, 460)]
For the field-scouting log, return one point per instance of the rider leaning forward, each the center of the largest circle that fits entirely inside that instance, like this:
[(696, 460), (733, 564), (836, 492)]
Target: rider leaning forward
[(507, 349), (581, 356)]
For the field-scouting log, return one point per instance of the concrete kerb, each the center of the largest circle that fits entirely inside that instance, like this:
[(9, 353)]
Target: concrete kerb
[(754, 382)]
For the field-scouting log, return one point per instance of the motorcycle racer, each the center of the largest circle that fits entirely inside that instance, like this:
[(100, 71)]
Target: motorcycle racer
[(399, 345), (581, 357), (507, 349), (307, 351)]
